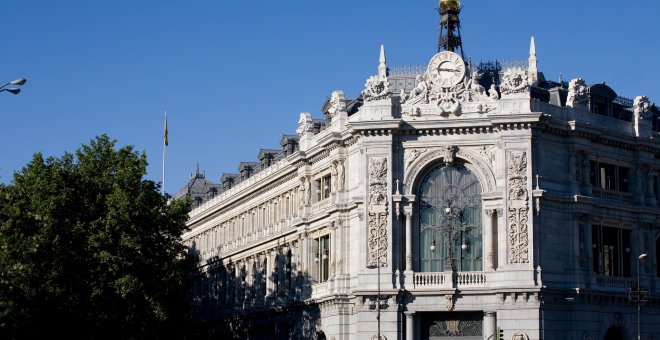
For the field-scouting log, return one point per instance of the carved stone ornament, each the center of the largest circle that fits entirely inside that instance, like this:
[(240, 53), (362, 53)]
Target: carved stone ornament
[(456, 328), (448, 153), (518, 207), (376, 88), (519, 336), (305, 191), (337, 103), (444, 87), (642, 107), (305, 123), (378, 212), (410, 155), (577, 93), (449, 302), (514, 80)]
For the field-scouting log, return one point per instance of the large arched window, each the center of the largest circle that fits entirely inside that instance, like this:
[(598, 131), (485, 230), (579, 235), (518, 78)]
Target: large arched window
[(450, 220)]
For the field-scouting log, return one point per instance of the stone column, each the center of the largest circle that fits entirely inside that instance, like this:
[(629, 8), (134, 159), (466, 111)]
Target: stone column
[(409, 255), (333, 244), (269, 272), (500, 256), (410, 326), (490, 325), (489, 231)]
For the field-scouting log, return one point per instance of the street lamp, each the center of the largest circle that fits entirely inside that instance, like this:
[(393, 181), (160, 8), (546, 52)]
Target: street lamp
[(371, 266), (451, 214), (638, 295), (14, 90)]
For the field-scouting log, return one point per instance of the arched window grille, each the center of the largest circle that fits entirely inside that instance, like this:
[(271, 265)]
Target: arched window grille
[(450, 230)]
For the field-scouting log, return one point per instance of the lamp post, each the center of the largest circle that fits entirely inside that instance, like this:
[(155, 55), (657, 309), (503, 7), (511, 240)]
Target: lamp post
[(378, 264), (452, 213), (14, 90), (638, 295)]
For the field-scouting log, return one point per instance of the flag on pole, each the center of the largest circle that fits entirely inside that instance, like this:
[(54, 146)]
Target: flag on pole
[(165, 131)]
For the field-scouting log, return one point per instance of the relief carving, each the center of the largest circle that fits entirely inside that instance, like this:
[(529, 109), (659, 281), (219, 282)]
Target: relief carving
[(444, 88), (410, 155), (448, 154), (376, 88), (378, 212), (518, 207), (514, 80)]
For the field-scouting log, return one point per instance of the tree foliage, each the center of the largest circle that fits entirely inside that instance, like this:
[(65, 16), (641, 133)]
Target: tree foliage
[(91, 250)]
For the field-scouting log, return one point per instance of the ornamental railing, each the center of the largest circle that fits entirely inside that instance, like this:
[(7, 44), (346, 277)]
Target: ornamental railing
[(444, 279)]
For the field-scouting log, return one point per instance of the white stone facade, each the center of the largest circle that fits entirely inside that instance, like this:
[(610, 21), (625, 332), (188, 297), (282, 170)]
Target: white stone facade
[(567, 200)]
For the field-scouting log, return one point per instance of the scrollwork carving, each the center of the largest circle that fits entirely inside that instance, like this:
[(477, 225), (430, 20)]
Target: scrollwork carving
[(518, 234), (376, 88), (378, 212), (514, 80)]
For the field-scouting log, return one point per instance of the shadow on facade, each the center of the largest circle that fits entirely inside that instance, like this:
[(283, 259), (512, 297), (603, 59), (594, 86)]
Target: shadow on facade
[(248, 299)]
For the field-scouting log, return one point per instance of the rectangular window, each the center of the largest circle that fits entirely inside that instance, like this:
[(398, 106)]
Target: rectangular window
[(609, 177), (610, 251), (321, 258), (323, 187)]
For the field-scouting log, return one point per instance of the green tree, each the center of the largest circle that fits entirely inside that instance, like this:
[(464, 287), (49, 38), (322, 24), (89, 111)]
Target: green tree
[(89, 249)]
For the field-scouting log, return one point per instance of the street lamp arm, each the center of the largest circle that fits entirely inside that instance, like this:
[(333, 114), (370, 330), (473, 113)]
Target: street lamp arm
[(14, 90)]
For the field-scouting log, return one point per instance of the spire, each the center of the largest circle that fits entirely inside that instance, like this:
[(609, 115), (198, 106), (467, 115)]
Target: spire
[(382, 67), (533, 71)]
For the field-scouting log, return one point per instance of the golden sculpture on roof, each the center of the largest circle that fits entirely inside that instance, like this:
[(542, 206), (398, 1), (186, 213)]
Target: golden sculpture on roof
[(450, 5)]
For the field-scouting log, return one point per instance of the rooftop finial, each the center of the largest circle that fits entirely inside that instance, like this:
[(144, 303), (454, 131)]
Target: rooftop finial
[(382, 67), (533, 67)]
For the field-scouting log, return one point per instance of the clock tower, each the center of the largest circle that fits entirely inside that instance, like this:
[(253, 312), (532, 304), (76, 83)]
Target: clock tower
[(450, 27)]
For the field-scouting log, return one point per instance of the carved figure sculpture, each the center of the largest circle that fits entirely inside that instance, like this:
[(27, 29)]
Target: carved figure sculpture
[(305, 123), (420, 93), (340, 175), (492, 93), (642, 107), (577, 92), (334, 172), (473, 84), (337, 103)]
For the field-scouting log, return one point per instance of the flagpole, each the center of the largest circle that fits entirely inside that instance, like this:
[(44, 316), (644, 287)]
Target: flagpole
[(164, 149)]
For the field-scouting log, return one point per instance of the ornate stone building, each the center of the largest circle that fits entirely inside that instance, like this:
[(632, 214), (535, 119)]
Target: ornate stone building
[(456, 200)]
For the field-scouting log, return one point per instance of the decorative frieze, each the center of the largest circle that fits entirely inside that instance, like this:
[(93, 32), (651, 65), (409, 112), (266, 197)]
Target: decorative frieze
[(378, 212), (518, 199)]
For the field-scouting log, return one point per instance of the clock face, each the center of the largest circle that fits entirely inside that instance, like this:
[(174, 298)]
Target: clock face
[(446, 69)]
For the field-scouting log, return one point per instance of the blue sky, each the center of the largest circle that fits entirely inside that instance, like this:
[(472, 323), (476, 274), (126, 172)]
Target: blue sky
[(234, 75)]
